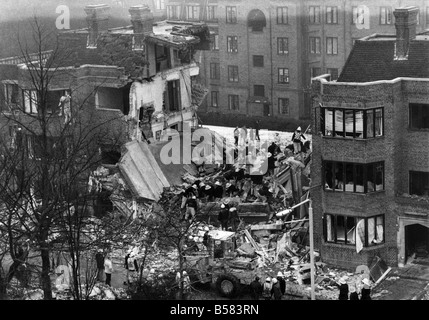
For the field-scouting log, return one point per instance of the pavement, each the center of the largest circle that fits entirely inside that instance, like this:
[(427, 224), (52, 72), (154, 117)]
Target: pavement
[(407, 283)]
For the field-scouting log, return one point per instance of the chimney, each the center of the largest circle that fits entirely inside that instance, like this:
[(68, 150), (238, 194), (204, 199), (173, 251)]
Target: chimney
[(406, 25), (97, 16), (142, 21)]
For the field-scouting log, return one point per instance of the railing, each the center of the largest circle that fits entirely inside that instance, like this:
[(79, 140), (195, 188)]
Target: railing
[(22, 59)]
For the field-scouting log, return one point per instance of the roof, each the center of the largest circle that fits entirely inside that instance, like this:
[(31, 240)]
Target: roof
[(372, 59), (142, 172)]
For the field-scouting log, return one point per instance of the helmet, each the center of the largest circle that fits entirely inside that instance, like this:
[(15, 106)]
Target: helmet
[(222, 206), (268, 279), (279, 274), (274, 280), (298, 129)]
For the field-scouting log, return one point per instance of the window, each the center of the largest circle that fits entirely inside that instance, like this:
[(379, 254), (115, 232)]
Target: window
[(314, 15), (358, 15), (232, 44), (173, 92), (233, 73), (314, 44), (30, 101), (353, 177), (109, 98), (314, 72), (419, 116), (283, 75), (331, 15), (211, 13), (362, 232), (55, 100), (214, 71), (284, 106), (215, 99), (214, 45), (351, 123), (231, 14), (233, 102), (56, 148), (282, 46), (282, 15), (333, 72), (259, 90), (193, 12), (258, 61), (160, 4), (331, 45), (419, 183), (11, 93), (173, 12), (385, 15)]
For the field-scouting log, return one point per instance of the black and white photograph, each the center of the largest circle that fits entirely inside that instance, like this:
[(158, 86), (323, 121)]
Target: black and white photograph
[(214, 155)]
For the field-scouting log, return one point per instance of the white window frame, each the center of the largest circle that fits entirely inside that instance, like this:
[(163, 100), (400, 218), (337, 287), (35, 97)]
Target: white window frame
[(386, 15), (331, 45), (30, 101)]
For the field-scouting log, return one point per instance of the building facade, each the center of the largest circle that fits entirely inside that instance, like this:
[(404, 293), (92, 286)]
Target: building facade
[(264, 54), (370, 163)]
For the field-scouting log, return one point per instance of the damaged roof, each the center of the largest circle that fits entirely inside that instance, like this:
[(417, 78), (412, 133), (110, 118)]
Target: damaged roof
[(373, 59), (142, 172)]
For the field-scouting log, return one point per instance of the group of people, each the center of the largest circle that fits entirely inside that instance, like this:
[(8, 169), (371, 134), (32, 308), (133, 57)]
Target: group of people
[(228, 217), (243, 134), (271, 289), (104, 266), (359, 291)]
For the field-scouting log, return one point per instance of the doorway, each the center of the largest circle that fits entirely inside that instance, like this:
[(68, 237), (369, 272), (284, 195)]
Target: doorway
[(416, 242), (266, 109)]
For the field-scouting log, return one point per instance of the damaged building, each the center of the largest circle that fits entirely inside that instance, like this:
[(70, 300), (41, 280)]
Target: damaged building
[(370, 159), (142, 77)]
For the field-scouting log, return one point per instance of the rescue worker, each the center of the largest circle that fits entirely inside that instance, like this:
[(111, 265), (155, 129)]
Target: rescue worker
[(296, 139), (223, 216)]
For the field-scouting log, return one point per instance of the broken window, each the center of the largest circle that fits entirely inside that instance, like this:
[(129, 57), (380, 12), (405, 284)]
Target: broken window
[(11, 94), (174, 98), (30, 101), (350, 123), (348, 230), (353, 177), (109, 98), (419, 183), (419, 116), (54, 103)]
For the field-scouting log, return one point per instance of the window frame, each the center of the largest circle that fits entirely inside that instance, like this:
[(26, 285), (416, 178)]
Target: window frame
[(233, 100), (257, 87), (173, 12), (334, 221), (419, 175), (283, 103), (282, 18), (258, 61), (160, 4), (231, 14), (214, 46), (233, 75), (331, 15), (32, 98), (211, 14), (314, 17), (232, 44), (328, 70), (387, 16), (354, 135), (282, 43), (214, 96), (316, 44), (214, 71), (339, 174), (330, 41), (193, 12), (420, 117), (283, 75)]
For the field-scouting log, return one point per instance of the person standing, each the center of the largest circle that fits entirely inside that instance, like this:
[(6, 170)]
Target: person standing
[(234, 219), (282, 282), (108, 269), (99, 258), (276, 291), (236, 136), (353, 294), (266, 290), (191, 208), (366, 290), (223, 216), (344, 289), (296, 139), (256, 289), (257, 130)]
